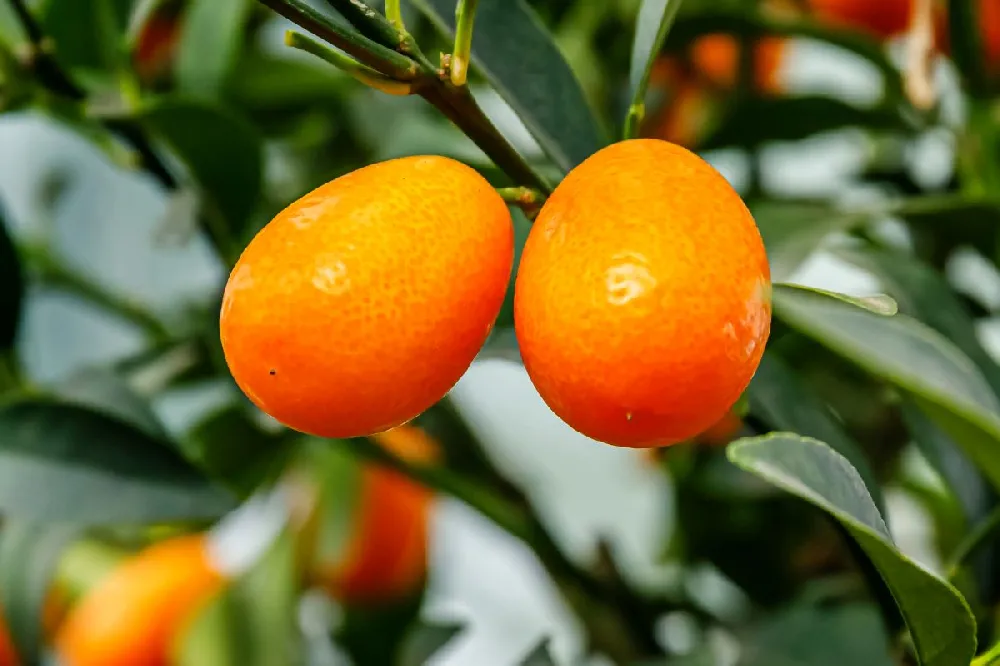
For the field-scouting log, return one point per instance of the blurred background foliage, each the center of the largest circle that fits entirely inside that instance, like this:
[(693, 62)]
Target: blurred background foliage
[(872, 167)]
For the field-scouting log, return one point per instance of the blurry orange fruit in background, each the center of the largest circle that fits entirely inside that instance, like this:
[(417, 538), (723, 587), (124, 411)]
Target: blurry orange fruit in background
[(361, 304), (642, 301), (386, 555), (132, 615)]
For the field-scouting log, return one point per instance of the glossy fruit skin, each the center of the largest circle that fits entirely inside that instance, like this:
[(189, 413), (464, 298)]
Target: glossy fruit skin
[(642, 301), (361, 304), (133, 614), (387, 555)]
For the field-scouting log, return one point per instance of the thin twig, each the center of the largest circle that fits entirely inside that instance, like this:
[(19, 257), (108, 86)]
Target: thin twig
[(371, 53)]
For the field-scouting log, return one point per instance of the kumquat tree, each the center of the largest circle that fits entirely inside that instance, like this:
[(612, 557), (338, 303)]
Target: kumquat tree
[(500, 332)]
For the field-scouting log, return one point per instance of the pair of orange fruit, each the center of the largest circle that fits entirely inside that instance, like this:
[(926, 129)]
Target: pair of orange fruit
[(641, 303)]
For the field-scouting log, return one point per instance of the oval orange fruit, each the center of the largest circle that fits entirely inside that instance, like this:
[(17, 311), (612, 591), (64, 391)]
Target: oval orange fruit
[(131, 616), (361, 304), (642, 302), (387, 555)]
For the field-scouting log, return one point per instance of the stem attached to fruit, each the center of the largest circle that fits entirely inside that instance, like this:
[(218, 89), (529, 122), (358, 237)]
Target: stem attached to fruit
[(465, 18), (525, 198), (362, 73)]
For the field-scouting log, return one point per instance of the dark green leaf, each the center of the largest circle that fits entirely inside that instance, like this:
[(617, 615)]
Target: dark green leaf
[(87, 35), (209, 44), (29, 555), (780, 398), (515, 52), (539, 656), (651, 25), (235, 451), (252, 622), (11, 289), (94, 470), (939, 620), (425, 641), (911, 356), (761, 119), (813, 636), (102, 390), (223, 153), (267, 83)]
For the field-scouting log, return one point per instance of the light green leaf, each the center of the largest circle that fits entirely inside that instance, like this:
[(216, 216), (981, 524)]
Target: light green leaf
[(252, 622), (517, 55), (87, 35), (209, 45), (912, 357), (651, 26), (940, 622), (94, 469)]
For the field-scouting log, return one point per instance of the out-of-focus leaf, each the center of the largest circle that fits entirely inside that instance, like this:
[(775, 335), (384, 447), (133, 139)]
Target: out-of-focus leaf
[(813, 636), (924, 294), (221, 150), (425, 641), (87, 35), (235, 451), (911, 356), (12, 34), (539, 655), (779, 397), (29, 554), (94, 469), (518, 56), (11, 288), (521, 228), (761, 119), (102, 390), (265, 83), (651, 26), (736, 20), (939, 620), (252, 622), (209, 44), (793, 231)]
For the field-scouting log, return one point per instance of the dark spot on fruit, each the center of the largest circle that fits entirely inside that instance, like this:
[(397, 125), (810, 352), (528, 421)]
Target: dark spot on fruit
[(273, 372)]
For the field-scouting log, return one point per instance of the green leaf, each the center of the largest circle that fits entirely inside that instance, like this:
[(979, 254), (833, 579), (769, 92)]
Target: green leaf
[(912, 357), (757, 120), (12, 35), (87, 35), (102, 390), (539, 655), (223, 153), (814, 636), (924, 294), (651, 26), (779, 397), (235, 451), (11, 289), (29, 556), (519, 58), (425, 641), (250, 623), (939, 620), (793, 231), (94, 469), (209, 45)]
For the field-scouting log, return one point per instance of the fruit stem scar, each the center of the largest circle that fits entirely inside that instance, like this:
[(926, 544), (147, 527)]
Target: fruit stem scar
[(272, 372)]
